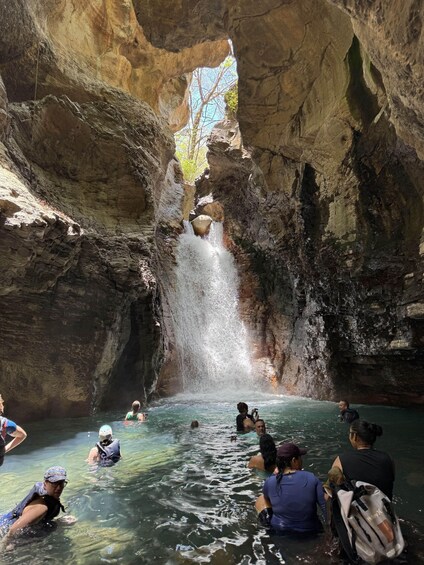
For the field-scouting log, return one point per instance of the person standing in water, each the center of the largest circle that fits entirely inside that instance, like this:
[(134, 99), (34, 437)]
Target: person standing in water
[(41, 505), (9, 428), (245, 422), (107, 451), (134, 413), (266, 459), (364, 463), (347, 414), (290, 498)]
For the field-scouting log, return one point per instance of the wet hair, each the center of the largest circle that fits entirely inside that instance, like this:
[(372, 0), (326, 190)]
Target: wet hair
[(106, 441), (242, 407), (135, 406), (194, 424), (268, 451), (345, 401), (282, 463), (259, 420), (367, 432)]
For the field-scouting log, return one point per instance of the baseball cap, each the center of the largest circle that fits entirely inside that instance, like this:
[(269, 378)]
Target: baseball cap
[(55, 474), (288, 450)]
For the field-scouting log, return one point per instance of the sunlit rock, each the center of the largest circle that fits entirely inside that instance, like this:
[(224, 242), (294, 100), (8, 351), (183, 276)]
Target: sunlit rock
[(201, 224)]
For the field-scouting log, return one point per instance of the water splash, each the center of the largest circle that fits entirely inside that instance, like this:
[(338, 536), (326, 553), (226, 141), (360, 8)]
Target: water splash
[(210, 336)]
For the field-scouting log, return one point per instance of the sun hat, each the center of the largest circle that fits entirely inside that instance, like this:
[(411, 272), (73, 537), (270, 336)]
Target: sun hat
[(105, 431), (55, 474), (289, 450)]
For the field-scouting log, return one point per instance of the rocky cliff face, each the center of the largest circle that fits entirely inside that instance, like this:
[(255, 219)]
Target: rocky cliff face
[(326, 208), (321, 187), (86, 178)]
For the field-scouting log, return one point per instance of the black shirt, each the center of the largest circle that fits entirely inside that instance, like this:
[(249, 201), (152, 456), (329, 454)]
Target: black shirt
[(240, 419), (349, 415), (370, 466)]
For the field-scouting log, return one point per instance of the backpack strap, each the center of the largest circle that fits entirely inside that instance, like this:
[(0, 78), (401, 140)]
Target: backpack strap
[(340, 527)]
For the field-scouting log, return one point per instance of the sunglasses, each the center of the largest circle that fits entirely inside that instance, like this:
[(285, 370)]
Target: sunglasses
[(58, 483)]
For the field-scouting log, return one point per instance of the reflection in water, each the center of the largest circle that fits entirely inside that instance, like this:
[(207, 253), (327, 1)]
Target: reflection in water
[(191, 489)]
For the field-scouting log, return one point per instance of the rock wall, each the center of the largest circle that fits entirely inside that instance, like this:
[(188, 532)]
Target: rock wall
[(321, 187), (87, 177), (325, 209)]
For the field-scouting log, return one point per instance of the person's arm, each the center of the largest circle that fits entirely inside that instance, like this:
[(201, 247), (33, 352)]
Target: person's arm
[(321, 499), (93, 456), (19, 435), (32, 514)]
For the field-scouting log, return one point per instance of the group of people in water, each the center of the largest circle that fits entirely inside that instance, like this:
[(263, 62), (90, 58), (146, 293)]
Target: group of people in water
[(42, 504), (290, 495)]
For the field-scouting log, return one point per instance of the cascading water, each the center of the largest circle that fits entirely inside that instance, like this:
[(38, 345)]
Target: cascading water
[(210, 336)]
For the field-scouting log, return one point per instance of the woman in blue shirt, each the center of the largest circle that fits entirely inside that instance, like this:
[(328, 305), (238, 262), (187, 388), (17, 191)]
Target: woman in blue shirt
[(291, 497)]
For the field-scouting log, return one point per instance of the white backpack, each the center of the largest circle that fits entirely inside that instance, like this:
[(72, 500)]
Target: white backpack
[(371, 524)]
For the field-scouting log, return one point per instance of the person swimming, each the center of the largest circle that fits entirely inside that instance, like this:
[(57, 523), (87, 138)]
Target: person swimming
[(107, 451), (134, 413), (41, 505)]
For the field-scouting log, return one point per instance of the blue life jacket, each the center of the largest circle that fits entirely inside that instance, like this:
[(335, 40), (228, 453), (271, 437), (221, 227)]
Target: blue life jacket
[(109, 454), (38, 491)]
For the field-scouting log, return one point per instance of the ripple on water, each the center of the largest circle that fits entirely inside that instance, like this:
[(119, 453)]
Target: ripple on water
[(180, 487)]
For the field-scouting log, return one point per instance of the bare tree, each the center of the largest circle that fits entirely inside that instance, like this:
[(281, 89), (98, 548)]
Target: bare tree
[(207, 107)]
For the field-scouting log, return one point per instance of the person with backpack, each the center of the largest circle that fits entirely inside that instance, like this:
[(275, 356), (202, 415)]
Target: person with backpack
[(347, 414), (361, 483), (107, 450), (365, 463), (9, 428)]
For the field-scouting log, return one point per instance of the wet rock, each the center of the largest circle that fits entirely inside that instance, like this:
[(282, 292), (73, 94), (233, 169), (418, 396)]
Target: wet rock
[(201, 224)]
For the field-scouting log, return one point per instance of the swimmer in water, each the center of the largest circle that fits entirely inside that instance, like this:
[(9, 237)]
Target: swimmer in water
[(107, 451), (134, 414)]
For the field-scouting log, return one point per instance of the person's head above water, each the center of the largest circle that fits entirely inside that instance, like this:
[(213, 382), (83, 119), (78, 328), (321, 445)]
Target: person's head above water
[(364, 434), (343, 405), (268, 450), (55, 480), (135, 406), (289, 456), (242, 407), (105, 434), (260, 426), (194, 424)]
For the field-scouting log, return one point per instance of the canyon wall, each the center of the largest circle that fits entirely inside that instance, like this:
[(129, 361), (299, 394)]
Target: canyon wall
[(87, 177), (324, 200), (320, 181)]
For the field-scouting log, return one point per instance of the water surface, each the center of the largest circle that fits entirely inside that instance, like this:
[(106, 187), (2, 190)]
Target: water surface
[(181, 487)]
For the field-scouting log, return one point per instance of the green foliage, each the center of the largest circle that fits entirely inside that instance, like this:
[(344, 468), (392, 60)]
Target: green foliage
[(192, 168), (206, 107), (231, 101)]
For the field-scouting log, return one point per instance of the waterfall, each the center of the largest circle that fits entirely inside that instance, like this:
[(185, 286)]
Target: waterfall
[(210, 337)]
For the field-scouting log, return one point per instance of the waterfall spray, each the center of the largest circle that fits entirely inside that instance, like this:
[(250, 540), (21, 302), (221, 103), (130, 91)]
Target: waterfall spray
[(210, 336)]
